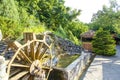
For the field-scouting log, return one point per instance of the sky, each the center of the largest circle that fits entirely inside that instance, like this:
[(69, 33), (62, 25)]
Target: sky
[(88, 7)]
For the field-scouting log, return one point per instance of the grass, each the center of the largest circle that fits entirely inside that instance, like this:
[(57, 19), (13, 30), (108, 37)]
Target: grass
[(66, 59)]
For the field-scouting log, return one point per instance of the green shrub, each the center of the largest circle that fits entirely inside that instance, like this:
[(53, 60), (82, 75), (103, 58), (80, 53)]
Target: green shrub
[(74, 39), (67, 34), (77, 27), (10, 28), (36, 29), (61, 32), (103, 43)]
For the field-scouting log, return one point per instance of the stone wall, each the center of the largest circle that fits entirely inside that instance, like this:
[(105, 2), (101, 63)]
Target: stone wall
[(61, 45), (76, 68), (67, 46)]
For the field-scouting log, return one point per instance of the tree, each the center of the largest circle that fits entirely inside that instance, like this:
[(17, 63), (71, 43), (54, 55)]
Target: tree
[(14, 18), (108, 18), (20, 14), (51, 12), (103, 43), (9, 9), (76, 27)]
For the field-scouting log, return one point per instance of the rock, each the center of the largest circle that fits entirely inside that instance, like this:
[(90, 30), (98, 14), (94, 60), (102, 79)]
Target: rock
[(3, 74)]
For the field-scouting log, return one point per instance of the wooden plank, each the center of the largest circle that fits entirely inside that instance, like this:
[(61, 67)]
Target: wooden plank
[(19, 75), (32, 54), (29, 36), (14, 71), (17, 45), (26, 77), (10, 62), (19, 65), (31, 77)]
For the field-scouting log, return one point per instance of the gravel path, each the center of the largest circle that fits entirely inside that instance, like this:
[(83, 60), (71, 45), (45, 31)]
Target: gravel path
[(105, 68)]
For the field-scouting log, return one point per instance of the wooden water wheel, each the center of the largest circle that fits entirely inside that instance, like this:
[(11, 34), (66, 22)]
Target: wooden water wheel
[(31, 60)]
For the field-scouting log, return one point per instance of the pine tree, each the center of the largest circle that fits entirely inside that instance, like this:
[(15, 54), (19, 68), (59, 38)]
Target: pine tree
[(103, 43)]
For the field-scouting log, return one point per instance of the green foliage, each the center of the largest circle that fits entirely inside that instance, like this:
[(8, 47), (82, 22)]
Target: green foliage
[(67, 34), (14, 18), (103, 43), (73, 38), (77, 27), (10, 28), (51, 12), (18, 16), (36, 29), (108, 18), (72, 31), (8, 9), (61, 32)]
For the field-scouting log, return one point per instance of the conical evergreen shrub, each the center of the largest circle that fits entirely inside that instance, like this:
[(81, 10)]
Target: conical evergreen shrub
[(103, 43)]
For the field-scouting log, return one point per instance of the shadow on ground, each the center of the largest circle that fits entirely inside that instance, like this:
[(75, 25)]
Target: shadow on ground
[(111, 66)]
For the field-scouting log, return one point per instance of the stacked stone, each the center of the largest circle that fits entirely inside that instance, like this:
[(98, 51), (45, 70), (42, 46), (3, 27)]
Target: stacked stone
[(68, 46), (2, 47), (76, 68), (6, 53)]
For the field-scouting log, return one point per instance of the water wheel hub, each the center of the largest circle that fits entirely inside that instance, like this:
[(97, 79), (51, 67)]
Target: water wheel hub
[(36, 68)]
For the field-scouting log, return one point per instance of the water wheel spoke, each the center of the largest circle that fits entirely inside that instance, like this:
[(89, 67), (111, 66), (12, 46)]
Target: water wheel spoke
[(32, 54), (43, 52), (46, 56), (20, 56), (26, 50), (31, 77), (14, 71), (45, 67), (19, 75), (38, 50), (10, 62), (19, 65), (26, 57), (47, 45), (25, 77), (36, 44)]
